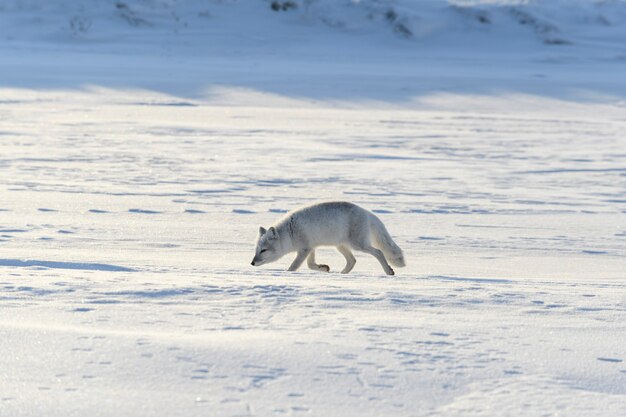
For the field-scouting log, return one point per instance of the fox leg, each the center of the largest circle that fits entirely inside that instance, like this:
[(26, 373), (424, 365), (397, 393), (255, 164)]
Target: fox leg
[(302, 254), (310, 261), (376, 253), (350, 259)]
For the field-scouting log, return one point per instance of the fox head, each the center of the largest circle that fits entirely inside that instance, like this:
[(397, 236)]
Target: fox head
[(267, 247)]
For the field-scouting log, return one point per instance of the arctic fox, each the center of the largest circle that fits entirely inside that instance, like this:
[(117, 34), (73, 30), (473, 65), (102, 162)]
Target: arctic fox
[(341, 224)]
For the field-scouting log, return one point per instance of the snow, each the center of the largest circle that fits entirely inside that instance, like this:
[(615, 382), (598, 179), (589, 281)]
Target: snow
[(143, 143)]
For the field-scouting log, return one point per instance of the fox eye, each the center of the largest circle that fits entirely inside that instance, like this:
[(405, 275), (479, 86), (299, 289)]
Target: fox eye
[(263, 250)]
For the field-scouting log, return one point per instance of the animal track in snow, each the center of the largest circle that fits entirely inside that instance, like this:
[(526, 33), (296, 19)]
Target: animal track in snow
[(143, 211)]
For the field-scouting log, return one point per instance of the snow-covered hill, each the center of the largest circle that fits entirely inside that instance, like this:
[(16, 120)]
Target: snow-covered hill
[(555, 22)]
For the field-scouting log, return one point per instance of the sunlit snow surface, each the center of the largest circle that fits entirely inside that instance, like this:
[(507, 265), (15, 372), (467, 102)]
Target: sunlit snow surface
[(140, 154)]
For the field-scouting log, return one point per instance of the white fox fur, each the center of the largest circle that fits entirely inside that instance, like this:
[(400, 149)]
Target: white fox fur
[(341, 224)]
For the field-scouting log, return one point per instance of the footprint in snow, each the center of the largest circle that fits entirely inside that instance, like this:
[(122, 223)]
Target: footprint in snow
[(193, 211), (142, 211), (595, 252), (512, 372), (82, 310), (613, 360)]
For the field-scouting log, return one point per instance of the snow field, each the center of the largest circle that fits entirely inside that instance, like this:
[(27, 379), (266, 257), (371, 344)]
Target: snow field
[(127, 287), (142, 144)]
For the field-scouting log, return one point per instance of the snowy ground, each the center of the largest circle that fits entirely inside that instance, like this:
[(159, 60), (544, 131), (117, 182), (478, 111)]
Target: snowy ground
[(140, 155)]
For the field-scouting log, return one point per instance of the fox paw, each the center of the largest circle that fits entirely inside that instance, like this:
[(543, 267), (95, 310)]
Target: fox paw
[(390, 272), (324, 268)]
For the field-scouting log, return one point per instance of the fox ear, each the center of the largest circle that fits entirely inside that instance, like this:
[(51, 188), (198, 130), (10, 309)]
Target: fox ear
[(271, 233), (262, 230)]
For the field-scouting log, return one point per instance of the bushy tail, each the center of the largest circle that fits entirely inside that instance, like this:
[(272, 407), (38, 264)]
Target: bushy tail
[(383, 241)]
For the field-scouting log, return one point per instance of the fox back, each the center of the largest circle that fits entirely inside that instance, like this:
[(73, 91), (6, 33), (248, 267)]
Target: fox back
[(325, 224)]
